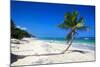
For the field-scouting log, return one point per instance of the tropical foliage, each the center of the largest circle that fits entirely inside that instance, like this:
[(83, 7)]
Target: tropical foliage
[(18, 33), (73, 22)]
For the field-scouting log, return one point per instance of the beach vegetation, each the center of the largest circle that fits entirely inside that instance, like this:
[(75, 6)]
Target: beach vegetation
[(18, 33), (73, 22)]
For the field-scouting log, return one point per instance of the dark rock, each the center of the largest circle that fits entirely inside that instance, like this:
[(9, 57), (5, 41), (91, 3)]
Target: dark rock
[(13, 58)]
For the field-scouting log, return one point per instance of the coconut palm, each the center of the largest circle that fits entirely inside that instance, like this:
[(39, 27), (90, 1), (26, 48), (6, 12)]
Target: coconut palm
[(73, 22)]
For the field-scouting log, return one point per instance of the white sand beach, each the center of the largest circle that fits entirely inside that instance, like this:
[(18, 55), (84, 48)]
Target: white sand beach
[(33, 51)]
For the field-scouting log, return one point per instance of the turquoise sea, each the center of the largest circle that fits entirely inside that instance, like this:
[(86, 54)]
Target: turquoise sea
[(83, 43)]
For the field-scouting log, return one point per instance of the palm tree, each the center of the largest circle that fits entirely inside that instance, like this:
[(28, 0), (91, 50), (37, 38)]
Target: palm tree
[(73, 22)]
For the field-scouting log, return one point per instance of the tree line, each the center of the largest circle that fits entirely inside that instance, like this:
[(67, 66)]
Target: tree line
[(18, 33)]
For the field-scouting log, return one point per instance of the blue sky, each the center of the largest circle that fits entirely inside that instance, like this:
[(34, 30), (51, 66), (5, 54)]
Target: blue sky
[(42, 19)]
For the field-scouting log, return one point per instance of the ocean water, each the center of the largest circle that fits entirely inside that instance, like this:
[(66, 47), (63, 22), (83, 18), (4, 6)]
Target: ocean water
[(83, 43)]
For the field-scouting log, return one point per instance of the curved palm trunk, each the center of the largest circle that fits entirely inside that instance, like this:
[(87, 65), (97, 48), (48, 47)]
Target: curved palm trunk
[(69, 43)]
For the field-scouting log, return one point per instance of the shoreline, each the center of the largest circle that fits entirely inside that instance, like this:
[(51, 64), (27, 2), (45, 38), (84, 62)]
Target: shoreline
[(34, 49)]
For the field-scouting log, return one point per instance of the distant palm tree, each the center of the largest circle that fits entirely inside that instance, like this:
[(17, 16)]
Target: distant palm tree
[(73, 22)]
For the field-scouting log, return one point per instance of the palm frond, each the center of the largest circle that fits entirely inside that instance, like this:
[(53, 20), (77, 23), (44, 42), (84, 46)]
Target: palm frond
[(81, 20), (68, 19), (75, 13), (74, 18), (67, 15), (83, 28), (71, 18), (68, 22), (64, 26)]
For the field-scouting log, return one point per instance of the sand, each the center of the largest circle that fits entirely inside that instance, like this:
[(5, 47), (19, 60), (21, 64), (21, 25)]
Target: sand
[(36, 52)]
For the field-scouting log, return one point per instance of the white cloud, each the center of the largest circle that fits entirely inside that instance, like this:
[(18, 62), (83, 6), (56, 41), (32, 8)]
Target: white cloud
[(22, 28), (18, 26)]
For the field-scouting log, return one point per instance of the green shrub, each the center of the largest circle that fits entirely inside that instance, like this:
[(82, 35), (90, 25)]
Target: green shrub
[(18, 33)]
